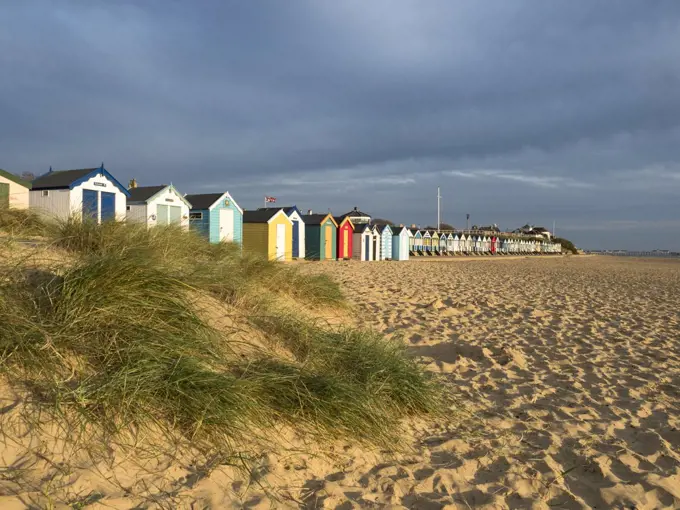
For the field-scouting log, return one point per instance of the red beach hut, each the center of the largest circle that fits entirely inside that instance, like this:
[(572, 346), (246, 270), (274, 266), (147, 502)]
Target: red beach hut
[(345, 235)]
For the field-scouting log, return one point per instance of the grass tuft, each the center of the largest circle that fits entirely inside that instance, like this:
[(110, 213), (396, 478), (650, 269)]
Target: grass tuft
[(116, 338), (21, 223)]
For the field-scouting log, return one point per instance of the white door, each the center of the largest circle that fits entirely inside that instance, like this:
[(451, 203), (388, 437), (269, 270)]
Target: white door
[(280, 242), (226, 225)]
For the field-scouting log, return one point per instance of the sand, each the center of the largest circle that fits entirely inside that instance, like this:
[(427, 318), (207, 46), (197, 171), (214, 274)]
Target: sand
[(564, 375)]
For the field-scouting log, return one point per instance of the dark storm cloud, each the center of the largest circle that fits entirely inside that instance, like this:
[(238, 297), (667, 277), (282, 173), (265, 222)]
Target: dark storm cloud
[(523, 111)]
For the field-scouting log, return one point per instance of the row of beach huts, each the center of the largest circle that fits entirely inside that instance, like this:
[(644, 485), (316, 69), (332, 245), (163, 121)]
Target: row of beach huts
[(279, 233)]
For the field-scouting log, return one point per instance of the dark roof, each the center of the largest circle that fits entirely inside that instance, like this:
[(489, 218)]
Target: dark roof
[(60, 179), (361, 227), (144, 193), (381, 228), (14, 178), (260, 216), (204, 200), (356, 213), (398, 230), (313, 219), (288, 209)]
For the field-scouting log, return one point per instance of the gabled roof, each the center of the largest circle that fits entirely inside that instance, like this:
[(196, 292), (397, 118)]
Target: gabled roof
[(397, 231), (288, 209), (342, 219), (262, 215), (362, 227), (382, 228), (144, 194), (15, 178), (318, 219), (416, 232), (209, 200), (204, 200), (426, 232), (69, 179)]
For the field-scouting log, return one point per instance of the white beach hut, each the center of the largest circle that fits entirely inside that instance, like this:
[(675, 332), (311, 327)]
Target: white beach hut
[(362, 242), (88, 193), (377, 242), (158, 205)]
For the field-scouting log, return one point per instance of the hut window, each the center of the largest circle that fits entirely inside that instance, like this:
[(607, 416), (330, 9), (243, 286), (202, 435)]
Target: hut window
[(127, 207), (46, 193), (196, 216)]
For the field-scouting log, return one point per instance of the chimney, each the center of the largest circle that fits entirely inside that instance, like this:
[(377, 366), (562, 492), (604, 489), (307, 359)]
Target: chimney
[(356, 208), (132, 184), (309, 211)]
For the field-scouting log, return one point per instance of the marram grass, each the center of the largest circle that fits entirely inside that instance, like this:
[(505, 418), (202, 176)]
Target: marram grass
[(115, 339)]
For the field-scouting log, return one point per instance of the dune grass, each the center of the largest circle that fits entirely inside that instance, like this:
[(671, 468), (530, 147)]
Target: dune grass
[(21, 222), (115, 340)]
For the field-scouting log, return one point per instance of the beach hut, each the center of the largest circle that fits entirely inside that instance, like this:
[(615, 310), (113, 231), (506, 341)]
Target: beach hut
[(321, 232), (456, 244), (450, 238), (268, 232), (14, 191), (401, 247), (345, 237), (157, 205), (362, 248), (298, 242), (486, 244), (417, 241), (443, 243), (216, 217), (88, 193), (435, 242), (298, 229), (386, 235), (411, 241), (377, 243), (427, 242)]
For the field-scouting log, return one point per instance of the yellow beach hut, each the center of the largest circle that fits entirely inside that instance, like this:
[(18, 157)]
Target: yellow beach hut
[(269, 233)]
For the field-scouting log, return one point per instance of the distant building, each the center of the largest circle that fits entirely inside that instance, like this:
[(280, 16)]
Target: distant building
[(357, 217), (530, 230)]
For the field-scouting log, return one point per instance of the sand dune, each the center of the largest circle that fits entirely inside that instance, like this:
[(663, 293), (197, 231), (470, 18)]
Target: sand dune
[(564, 379)]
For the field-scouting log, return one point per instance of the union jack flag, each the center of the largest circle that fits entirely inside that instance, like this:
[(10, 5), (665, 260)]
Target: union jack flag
[(269, 199)]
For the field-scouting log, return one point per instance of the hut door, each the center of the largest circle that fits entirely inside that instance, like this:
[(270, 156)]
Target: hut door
[(4, 195), (280, 242), (296, 239), (90, 205), (367, 247), (175, 214), (108, 206), (328, 240), (161, 214), (226, 225), (345, 242)]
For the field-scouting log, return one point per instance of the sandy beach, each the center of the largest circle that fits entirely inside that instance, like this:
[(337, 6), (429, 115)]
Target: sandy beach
[(564, 380)]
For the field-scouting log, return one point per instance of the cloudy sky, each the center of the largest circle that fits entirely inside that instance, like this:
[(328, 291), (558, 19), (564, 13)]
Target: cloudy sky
[(522, 111)]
